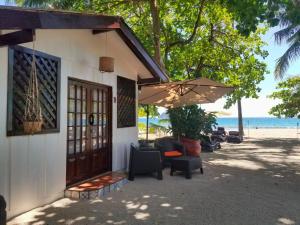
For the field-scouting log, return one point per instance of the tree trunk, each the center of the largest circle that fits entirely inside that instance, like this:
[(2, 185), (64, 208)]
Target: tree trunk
[(154, 8), (147, 123), (240, 117)]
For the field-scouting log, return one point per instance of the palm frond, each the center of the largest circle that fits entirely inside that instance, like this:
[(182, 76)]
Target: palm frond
[(285, 33), (294, 37), (284, 61)]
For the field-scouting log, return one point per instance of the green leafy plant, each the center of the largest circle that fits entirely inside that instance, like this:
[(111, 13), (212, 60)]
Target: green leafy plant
[(191, 122), (141, 126), (288, 92)]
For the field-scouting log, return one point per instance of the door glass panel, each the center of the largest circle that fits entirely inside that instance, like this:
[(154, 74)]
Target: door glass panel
[(104, 120), (71, 107), (71, 133), (72, 91), (104, 95), (100, 95), (104, 107), (78, 93), (83, 93), (83, 146), (71, 119), (71, 147), (83, 132), (77, 146), (100, 120), (78, 106), (94, 131), (100, 131), (100, 142), (100, 107), (78, 132), (95, 119), (94, 143), (95, 107), (84, 106), (83, 120), (95, 95), (78, 119)]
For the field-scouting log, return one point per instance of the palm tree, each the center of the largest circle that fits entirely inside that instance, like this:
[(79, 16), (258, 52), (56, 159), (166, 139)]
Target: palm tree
[(290, 33)]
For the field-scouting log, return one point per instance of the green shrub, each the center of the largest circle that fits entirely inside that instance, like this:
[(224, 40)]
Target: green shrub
[(191, 122)]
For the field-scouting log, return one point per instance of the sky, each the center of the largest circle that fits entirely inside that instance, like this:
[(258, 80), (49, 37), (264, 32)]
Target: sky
[(261, 106)]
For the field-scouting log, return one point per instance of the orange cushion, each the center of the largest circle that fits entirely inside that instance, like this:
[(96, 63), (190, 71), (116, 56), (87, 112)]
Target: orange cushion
[(173, 153)]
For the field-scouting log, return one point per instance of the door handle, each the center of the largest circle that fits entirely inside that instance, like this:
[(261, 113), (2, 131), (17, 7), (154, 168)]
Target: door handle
[(91, 119)]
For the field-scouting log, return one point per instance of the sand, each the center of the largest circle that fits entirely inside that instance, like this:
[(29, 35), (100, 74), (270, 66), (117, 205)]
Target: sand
[(252, 133), (253, 183)]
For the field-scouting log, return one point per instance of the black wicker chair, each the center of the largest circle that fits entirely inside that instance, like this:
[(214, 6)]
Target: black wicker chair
[(169, 145), (144, 161), (2, 211)]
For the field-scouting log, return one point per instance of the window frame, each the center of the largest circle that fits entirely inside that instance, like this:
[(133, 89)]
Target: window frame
[(10, 131), (123, 81)]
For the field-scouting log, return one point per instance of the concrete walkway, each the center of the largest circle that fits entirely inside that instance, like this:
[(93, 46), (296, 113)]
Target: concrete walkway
[(254, 183)]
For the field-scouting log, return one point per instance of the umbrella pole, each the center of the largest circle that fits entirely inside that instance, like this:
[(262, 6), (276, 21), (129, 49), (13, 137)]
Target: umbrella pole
[(147, 122)]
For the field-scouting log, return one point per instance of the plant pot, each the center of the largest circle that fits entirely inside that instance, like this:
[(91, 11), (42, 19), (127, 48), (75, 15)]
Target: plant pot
[(31, 127), (193, 147)]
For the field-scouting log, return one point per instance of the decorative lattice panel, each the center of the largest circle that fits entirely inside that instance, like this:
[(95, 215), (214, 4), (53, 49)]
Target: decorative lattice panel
[(126, 102), (48, 72)]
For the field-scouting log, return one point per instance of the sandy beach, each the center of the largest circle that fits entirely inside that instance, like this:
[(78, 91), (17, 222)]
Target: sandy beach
[(251, 133), (253, 183)]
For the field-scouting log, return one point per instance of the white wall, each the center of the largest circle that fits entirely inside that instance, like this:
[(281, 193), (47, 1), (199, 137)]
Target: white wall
[(33, 168)]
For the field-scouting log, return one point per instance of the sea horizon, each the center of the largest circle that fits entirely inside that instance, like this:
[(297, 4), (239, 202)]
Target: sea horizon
[(248, 122)]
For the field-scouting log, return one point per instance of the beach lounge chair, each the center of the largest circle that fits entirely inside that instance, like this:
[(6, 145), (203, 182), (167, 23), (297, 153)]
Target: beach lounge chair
[(222, 130), (234, 137), (208, 145), (218, 136)]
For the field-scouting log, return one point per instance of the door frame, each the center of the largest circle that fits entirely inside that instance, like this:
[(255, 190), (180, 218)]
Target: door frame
[(109, 114)]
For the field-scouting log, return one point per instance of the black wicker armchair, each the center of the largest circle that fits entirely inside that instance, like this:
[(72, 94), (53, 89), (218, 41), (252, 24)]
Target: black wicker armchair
[(169, 149), (2, 211), (144, 161)]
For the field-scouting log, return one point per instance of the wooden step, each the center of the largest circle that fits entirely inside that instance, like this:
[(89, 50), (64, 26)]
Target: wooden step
[(97, 187)]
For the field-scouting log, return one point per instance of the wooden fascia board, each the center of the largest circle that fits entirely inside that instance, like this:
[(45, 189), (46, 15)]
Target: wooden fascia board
[(20, 18)]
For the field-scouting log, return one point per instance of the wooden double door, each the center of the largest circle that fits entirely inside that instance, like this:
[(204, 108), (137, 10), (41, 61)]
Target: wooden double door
[(89, 136)]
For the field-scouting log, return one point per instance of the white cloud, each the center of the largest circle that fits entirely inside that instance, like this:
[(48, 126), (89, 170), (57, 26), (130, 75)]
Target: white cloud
[(251, 107)]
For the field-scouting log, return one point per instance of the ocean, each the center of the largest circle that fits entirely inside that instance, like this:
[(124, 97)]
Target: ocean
[(249, 122)]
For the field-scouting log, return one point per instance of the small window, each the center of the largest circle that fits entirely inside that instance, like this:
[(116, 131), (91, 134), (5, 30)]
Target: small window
[(48, 72), (126, 102)]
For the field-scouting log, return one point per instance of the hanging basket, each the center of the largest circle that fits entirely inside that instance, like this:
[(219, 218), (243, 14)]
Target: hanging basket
[(31, 127), (33, 120)]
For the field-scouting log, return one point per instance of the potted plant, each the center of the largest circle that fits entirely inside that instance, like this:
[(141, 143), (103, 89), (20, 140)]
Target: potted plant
[(189, 124)]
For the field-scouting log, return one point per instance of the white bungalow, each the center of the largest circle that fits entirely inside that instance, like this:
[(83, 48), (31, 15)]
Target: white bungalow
[(90, 116)]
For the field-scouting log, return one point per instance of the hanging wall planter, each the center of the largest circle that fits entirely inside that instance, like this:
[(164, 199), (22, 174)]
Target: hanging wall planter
[(106, 64), (33, 120)]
